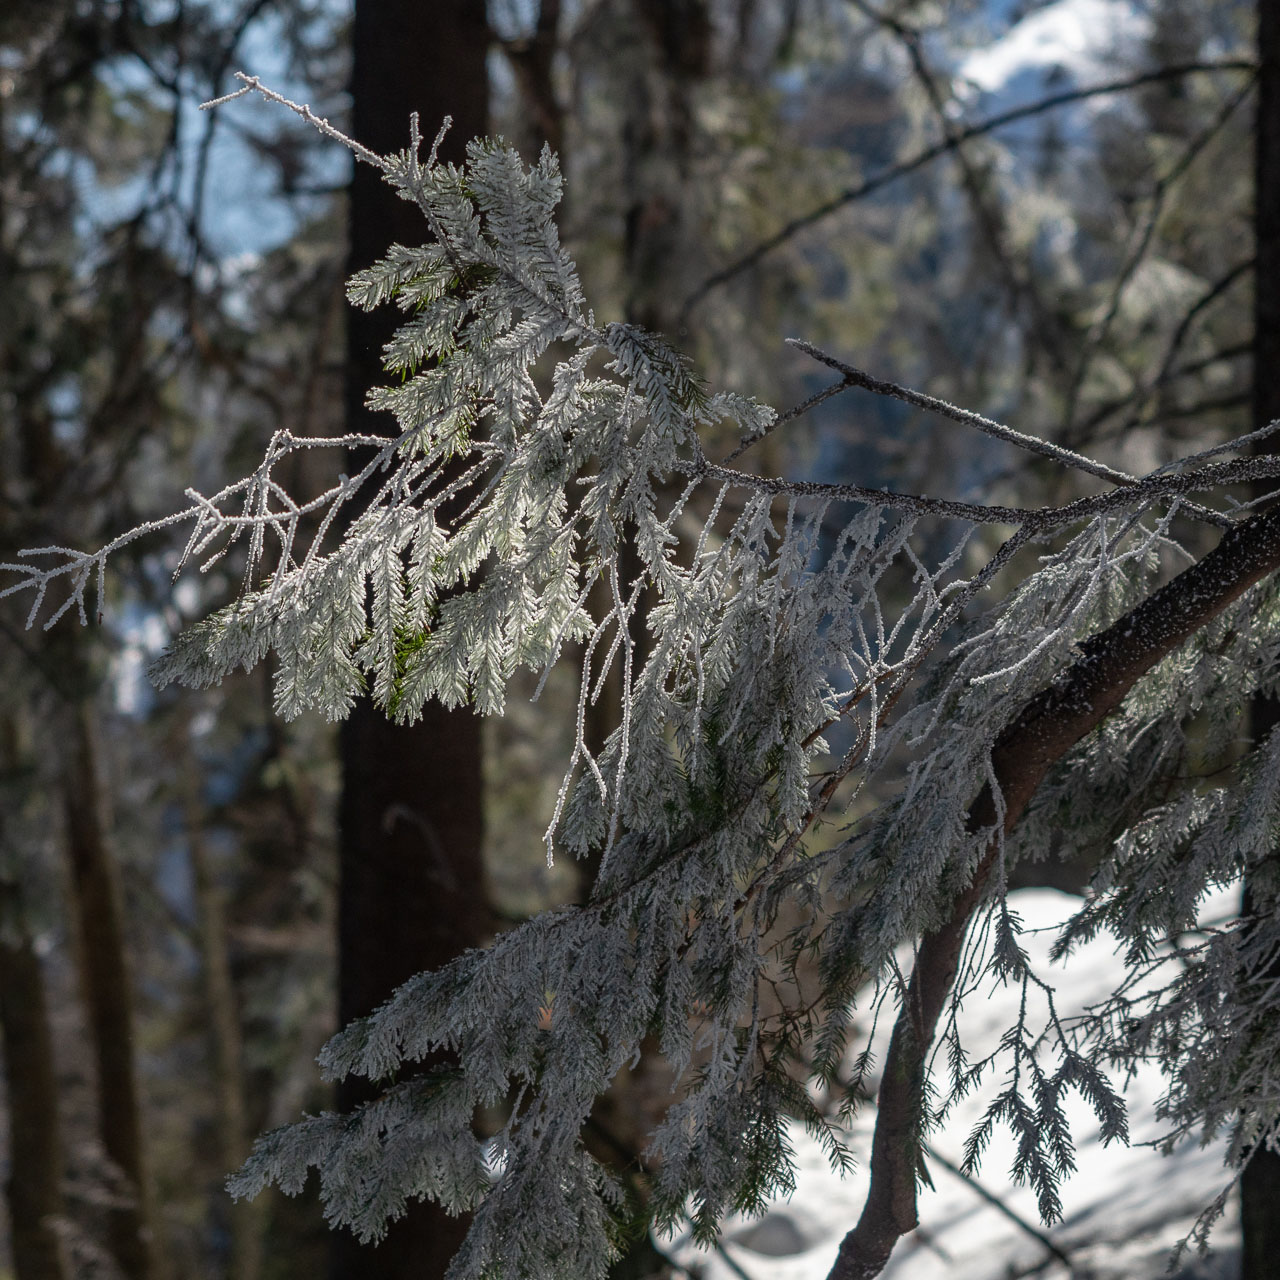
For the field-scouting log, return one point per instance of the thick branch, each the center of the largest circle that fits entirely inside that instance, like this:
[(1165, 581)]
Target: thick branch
[(1050, 725)]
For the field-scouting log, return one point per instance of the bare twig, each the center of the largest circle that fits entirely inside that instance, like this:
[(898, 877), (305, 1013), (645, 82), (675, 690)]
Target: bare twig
[(1021, 286), (1033, 444), (1150, 488), (791, 414), (1164, 184), (996, 1203), (1169, 368), (253, 85), (855, 377)]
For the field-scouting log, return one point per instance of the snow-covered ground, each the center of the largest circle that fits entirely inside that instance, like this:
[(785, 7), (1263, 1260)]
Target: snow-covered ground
[(1123, 1210)]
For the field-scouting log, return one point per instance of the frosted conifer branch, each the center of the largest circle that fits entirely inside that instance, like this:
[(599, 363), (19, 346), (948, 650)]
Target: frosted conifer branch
[(783, 612)]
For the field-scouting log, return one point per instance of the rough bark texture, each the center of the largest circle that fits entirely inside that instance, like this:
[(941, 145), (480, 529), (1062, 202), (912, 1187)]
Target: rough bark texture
[(1260, 1183), (1052, 722), (108, 995), (33, 1189), (245, 1216), (411, 893)]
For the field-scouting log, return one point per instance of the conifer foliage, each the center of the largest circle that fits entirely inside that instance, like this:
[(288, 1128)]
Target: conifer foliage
[(810, 642)]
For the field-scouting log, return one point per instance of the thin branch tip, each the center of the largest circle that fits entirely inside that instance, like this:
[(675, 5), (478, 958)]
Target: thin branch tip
[(252, 83), (227, 97)]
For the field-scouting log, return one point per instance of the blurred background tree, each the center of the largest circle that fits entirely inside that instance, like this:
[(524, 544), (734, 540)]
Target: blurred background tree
[(193, 893)]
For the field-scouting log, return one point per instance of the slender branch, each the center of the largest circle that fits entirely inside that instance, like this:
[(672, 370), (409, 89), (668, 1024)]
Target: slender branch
[(1149, 488), (1021, 287), (1033, 444), (252, 84), (798, 411), (930, 153), (855, 377), (1169, 368), (1050, 724), (730, 1261), (999, 1205), (1201, 304)]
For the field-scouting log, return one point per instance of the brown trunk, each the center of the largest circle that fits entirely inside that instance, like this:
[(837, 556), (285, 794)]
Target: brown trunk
[(672, 58), (224, 1030), (33, 1189), (105, 981), (1260, 1182), (411, 892), (532, 60)]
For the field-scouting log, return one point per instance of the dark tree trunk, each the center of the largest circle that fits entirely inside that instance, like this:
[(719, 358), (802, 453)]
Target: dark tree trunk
[(246, 1217), (1260, 1183), (411, 893), (532, 59), (108, 994), (33, 1189)]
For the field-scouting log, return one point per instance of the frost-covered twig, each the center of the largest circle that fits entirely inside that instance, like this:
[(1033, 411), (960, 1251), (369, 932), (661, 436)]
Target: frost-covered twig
[(253, 85), (854, 377), (536, 443), (1137, 492)]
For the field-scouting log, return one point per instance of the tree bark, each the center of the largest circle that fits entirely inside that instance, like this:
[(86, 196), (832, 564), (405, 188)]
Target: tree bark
[(1049, 726), (246, 1216), (1260, 1181), (33, 1189), (107, 987), (411, 882)]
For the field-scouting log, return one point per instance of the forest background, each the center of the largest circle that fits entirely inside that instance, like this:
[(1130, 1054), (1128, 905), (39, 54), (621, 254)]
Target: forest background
[(194, 893)]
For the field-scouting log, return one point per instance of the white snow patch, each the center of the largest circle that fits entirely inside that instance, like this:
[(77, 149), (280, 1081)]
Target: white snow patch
[(1123, 1210), (1080, 36)]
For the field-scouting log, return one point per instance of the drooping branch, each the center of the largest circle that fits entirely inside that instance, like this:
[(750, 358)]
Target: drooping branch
[(1051, 723)]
